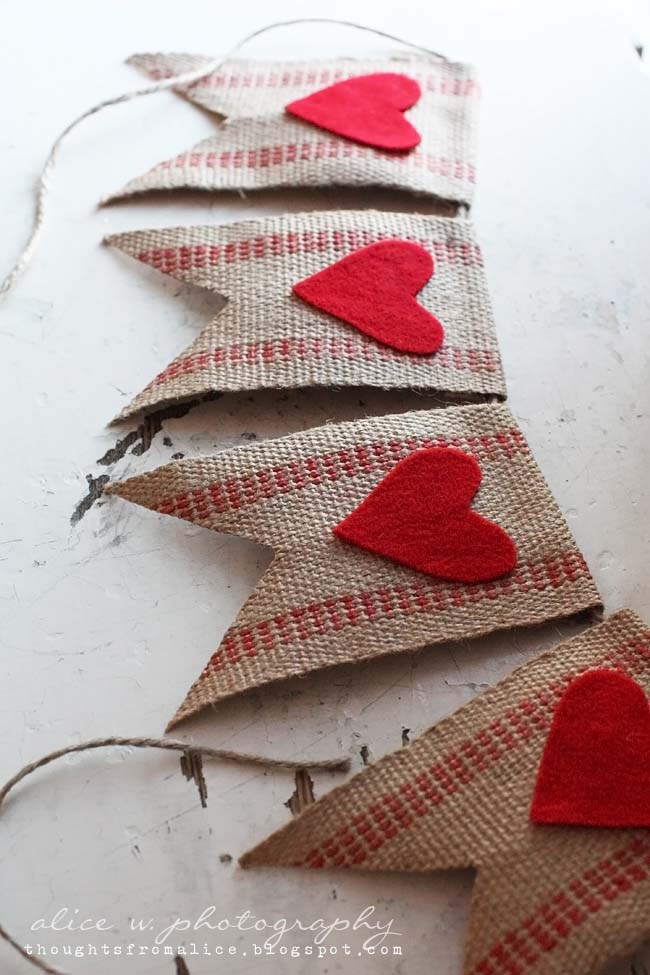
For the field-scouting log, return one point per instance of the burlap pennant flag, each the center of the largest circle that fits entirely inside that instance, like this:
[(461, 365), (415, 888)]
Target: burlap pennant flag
[(258, 144), (548, 900), (324, 600), (268, 337)]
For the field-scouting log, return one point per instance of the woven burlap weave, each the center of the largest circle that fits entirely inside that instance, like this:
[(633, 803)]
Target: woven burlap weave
[(268, 337), (260, 146), (547, 900), (324, 602)]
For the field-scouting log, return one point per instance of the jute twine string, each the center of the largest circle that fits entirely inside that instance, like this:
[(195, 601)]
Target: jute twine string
[(328, 764), (43, 184)]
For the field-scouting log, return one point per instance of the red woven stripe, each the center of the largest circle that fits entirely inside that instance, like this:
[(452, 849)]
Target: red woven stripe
[(377, 456), (441, 84), (320, 347), (282, 154), (301, 623), (318, 79), (453, 771), (172, 259), (557, 918)]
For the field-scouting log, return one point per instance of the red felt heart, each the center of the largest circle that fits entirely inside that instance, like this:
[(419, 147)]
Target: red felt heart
[(419, 516), (374, 289), (367, 109), (595, 770)]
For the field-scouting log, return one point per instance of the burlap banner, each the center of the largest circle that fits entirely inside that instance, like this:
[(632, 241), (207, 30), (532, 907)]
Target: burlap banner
[(266, 336), (259, 145), (324, 601), (547, 900)]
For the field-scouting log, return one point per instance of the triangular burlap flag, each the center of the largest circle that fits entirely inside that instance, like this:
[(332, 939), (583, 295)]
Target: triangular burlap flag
[(260, 145), (547, 900), (324, 601), (268, 337)]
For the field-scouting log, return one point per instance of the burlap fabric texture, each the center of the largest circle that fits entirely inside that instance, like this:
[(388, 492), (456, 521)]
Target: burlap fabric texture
[(268, 337), (259, 145), (559, 900), (324, 601)]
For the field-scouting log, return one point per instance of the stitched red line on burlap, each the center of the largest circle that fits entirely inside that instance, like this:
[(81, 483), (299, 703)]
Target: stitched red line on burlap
[(218, 497), (296, 625), (264, 157), (531, 716), (557, 918), (441, 83), (295, 79), (189, 256), (477, 361)]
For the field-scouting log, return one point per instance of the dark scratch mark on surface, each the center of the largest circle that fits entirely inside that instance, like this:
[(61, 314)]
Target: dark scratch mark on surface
[(303, 794), (117, 452), (476, 686), (96, 487), (365, 754), (138, 442), (406, 732), (142, 438), (192, 768), (225, 858)]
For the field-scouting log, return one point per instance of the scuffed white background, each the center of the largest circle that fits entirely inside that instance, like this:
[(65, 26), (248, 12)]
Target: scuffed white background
[(104, 625)]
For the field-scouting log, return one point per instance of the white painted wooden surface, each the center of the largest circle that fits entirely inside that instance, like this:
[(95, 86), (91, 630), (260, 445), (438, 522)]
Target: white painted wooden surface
[(105, 624)]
